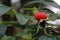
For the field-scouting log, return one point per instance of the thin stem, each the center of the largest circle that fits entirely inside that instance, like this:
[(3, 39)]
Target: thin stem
[(27, 8), (38, 27), (46, 32)]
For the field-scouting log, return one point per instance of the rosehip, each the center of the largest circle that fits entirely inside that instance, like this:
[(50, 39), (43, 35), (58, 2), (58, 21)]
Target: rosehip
[(40, 15)]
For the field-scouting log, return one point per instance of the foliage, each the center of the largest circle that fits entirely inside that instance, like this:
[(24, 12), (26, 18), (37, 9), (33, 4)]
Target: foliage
[(24, 24)]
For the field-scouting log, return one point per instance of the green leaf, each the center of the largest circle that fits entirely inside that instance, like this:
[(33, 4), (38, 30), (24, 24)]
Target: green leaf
[(22, 33), (51, 4), (1, 21), (6, 37), (34, 10), (10, 12), (43, 2), (13, 38), (3, 29), (9, 23), (51, 15), (33, 20), (21, 19), (3, 9), (44, 37), (27, 36)]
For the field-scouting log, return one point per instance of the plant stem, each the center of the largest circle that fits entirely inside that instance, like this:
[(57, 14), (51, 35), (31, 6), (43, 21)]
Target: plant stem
[(38, 27), (46, 32)]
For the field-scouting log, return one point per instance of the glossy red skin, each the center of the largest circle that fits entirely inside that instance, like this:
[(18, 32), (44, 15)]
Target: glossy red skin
[(40, 15)]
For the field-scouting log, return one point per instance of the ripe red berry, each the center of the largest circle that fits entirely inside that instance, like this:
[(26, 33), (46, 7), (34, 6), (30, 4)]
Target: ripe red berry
[(40, 15)]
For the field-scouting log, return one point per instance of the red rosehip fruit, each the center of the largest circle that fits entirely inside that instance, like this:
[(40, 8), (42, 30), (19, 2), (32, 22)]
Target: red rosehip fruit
[(40, 15)]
